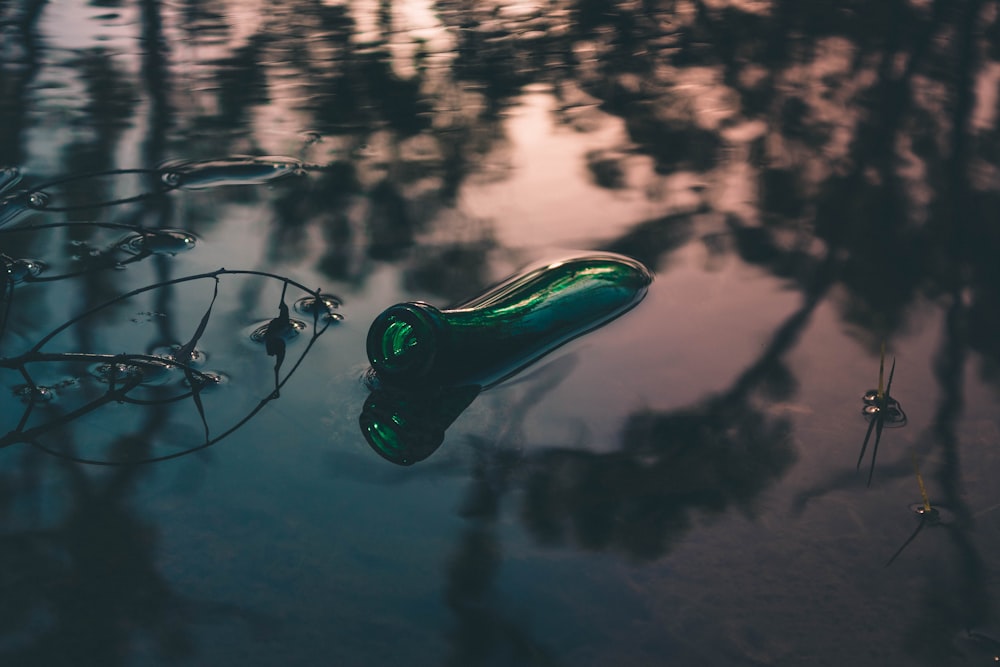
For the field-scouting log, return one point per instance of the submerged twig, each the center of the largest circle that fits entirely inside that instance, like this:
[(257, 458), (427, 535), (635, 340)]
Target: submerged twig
[(120, 382), (913, 536), (881, 407), (274, 336), (928, 514)]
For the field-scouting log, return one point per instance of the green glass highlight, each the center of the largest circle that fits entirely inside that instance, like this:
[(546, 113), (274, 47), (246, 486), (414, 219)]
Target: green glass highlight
[(494, 335)]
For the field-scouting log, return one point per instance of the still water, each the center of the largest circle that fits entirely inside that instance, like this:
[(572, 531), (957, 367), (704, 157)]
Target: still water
[(810, 183)]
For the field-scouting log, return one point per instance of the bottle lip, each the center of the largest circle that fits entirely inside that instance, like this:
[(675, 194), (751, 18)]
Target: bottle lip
[(404, 339)]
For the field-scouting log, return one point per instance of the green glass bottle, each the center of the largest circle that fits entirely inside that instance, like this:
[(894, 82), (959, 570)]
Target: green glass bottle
[(430, 364), (494, 335)]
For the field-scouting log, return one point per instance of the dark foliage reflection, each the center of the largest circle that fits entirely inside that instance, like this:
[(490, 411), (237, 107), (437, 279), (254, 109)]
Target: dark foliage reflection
[(861, 131)]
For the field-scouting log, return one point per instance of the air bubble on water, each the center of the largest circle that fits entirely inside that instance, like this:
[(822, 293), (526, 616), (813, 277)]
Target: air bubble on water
[(135, 371), (38, 199), (158, 242), (155, 372), (206, 379), (936, 514), (118, 372), (370, 379), (169, 241), (326, 303), (259, 332), (34, 393), (171, 178), (885, 407), (21, 270), (195, 358)]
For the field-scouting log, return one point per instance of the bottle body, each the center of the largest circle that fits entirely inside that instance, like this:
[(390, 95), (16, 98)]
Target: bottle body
[(494, 335)]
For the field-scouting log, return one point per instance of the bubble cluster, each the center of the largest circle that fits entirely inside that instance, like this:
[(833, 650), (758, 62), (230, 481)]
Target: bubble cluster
[(886, 407), (34, 393), (195, 358), (326, 304), (117, 373), (158, 242), (294, 328), (205, 380), (145, 372), (21, 270), (934, 514)]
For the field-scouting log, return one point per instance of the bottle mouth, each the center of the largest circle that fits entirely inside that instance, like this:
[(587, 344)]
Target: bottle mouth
[(403, 340)]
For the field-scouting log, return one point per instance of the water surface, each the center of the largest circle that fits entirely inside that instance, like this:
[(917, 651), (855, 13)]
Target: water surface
[(808, 182)]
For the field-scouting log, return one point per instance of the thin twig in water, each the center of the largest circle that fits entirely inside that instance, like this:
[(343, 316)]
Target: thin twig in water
[(882, 402)]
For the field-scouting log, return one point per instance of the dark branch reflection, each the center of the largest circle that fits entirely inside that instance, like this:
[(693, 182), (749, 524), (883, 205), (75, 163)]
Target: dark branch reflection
[(848, 149)]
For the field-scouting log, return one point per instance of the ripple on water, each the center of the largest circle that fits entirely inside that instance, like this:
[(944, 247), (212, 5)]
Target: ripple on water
[(236, 170), (38, 200), (893, 416), (158, 242), (259, 332), (206, 380), (34, 393), (134, 371), (935, 515), (326, 304), (196, 358), (22, 270)]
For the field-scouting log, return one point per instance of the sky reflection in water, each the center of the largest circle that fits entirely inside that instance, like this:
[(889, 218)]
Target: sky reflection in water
[(807, 182)]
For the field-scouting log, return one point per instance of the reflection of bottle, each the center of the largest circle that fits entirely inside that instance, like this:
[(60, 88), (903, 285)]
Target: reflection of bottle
[(408, 426), (492, 336)]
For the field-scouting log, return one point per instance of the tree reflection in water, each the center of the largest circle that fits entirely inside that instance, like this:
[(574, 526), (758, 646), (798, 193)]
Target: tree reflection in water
[(862, 135)]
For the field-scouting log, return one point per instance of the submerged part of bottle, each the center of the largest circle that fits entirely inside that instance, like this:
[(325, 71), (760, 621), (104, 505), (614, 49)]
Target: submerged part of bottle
[(498, 333), (408, 426)]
